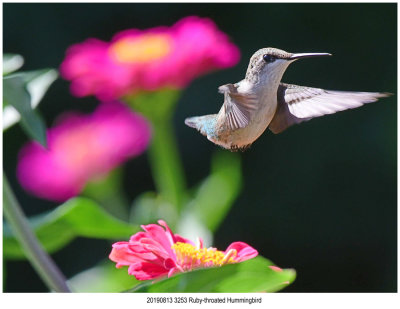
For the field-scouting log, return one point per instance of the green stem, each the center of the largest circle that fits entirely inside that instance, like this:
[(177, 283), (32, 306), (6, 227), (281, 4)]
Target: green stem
[(39, 259), (107, 191), (166, 165), (158, 108)]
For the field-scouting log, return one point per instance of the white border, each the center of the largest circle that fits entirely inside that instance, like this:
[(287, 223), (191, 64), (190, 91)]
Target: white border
[(130, 301)]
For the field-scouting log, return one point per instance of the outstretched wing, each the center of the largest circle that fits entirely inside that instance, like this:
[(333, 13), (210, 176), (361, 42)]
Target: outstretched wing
[(297, 104), (238, 108)]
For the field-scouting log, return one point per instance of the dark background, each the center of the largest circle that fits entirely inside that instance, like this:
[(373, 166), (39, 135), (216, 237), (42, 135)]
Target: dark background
[(320, 197)]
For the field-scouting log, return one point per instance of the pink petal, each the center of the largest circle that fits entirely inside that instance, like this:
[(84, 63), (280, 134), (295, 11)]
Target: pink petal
[(149, 254), (144, 253), (158, 234), (244, 251), (169, 263), (147, 271), (196, 47), (138, 236), (154, 247), (168, 232), (174, 237), (179, 238), (201, 243), (121, 254), (173, 271), (276, 268), (81, 148)]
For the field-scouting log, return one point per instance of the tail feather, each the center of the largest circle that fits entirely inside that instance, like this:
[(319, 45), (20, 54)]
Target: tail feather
[(204, 124), (192, 122)]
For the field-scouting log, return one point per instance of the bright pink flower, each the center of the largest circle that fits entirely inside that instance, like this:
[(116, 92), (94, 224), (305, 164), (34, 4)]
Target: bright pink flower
[(80, 148), (149, 59), (158, 252)]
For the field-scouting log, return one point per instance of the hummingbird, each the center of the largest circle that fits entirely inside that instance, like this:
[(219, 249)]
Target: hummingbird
[(261, 100)]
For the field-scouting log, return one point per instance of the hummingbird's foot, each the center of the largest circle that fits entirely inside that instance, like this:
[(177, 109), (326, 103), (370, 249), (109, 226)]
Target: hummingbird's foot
[(235, 148)]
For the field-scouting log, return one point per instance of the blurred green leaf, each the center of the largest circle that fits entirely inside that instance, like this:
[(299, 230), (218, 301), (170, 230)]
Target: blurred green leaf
[(103, 278), (11, 63), (16, 95), (108, 192), (247, 277), (30, 87), (37, 83), (150, 207), (217, 193), (77, 217)]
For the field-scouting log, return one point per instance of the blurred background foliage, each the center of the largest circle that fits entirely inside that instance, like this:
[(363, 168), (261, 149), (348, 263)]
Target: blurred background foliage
[(320, 197)]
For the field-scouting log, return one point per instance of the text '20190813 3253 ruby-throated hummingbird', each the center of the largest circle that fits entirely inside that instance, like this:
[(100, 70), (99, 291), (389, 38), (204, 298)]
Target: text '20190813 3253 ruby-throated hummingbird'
[(261, 100)]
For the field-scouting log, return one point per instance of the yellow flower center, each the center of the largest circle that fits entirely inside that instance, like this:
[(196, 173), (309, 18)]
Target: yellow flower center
[(189, 257), (144, 48)]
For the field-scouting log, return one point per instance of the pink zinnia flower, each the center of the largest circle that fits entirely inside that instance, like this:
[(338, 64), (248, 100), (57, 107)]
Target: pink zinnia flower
[(149, 59), (80, 148), (157, 252)]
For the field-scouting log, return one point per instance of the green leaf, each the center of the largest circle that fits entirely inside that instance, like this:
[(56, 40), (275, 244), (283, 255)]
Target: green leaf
[(16, 95), (217, 192), (247, 277), (77, 217), (103, 278), (36, 83), (108, 192), (11, 63)]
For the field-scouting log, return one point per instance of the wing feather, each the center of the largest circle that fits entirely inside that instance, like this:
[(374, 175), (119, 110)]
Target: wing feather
[(297, 104), (238, 108)]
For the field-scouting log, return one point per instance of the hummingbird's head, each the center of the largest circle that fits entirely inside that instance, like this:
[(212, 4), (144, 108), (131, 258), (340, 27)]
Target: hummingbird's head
[(270, 63)]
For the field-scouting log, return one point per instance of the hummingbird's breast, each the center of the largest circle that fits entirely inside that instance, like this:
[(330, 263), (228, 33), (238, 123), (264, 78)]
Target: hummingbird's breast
[(244, 137), (262, 118)]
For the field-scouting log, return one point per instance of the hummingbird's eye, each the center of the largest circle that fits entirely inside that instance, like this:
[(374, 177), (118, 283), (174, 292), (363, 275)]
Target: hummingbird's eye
[(269, 58)]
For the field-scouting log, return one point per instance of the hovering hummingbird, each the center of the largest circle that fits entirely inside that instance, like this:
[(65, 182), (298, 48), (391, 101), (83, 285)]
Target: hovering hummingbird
[(261, 100)]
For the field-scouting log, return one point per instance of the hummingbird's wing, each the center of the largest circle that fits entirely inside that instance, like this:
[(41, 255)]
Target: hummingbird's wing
[(297, 104), (238, 108)]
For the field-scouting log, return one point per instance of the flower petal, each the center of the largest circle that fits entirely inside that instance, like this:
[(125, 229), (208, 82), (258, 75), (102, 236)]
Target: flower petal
[(244, 251), (161, 236), (122, 255), (157, 252), (151, 59), (169, 263), (173, 237), (147, 271), (80, 149)]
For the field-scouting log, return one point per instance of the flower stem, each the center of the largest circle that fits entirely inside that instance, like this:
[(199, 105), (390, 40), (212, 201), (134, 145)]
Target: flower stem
[(39, 259), (165, 164), (107, 191), (158, 108)]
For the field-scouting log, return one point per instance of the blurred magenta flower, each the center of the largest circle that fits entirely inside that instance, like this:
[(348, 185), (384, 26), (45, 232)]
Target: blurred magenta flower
[(81, 148), (149, 59), (157, 252)]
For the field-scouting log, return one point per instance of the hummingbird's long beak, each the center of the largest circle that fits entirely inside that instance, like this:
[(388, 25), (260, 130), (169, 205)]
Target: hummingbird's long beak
[(307, 55)]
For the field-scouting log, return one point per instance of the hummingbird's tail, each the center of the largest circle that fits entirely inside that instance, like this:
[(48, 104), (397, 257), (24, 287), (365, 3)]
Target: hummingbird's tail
[(192, 122), (204, 124)]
